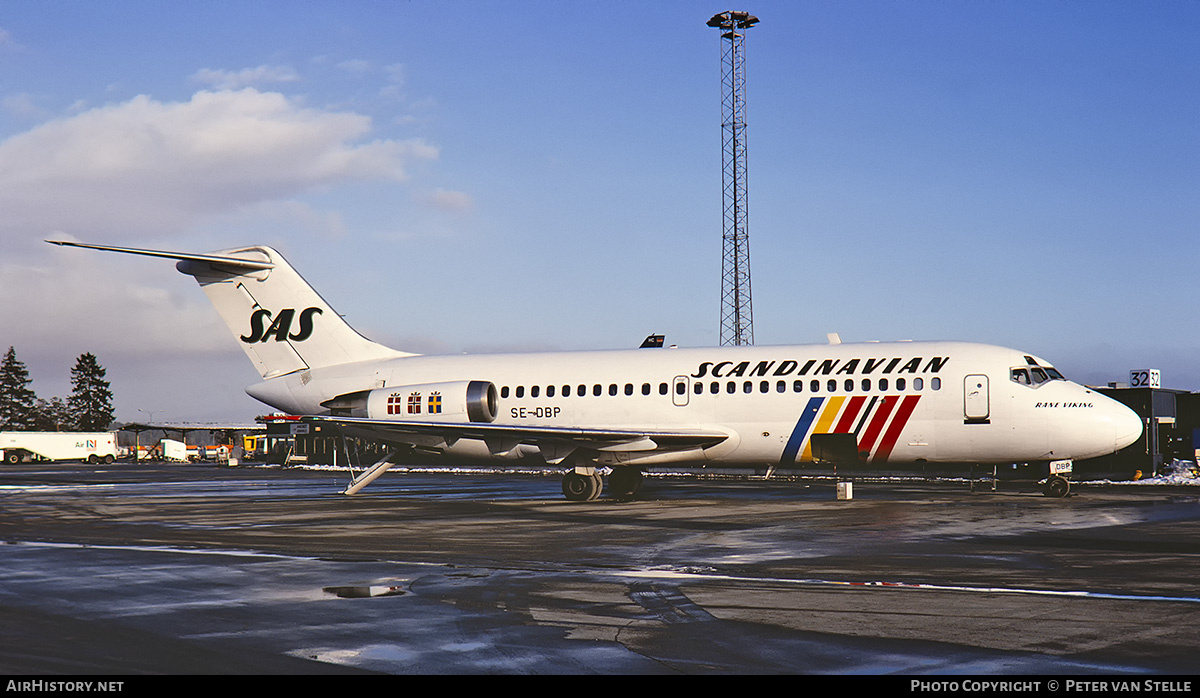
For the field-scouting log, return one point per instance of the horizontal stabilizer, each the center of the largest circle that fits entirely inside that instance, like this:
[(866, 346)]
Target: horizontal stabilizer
[(282, 324), (238, 263)]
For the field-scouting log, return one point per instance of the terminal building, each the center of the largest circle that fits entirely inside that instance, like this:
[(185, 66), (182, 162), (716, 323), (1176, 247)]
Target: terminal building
[(1171, 422)]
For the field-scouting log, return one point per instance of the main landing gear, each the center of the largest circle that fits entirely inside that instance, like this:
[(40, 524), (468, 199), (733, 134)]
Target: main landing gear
[(583, 483), (1056, 486), (580, 487)]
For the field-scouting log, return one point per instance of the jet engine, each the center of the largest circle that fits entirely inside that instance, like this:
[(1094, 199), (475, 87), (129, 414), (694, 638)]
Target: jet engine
[(458, 401)]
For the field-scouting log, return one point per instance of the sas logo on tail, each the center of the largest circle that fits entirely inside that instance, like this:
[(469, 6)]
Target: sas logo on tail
[(281, 326)]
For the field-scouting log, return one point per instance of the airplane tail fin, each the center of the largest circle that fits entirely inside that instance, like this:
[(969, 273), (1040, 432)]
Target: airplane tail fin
[(281, 323)]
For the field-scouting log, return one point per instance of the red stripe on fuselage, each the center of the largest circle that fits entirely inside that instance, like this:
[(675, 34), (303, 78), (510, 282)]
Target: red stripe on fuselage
[(893, 431), (846, 424), (876, 425)]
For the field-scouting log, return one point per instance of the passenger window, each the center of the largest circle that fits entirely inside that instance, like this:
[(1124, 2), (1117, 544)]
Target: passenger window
[(849, 384), (747, 387), (597, 390), (797, 386), (645, 388), (504, 392), (781, 387), (764, 387), (831, 385), (629, 388), (681, 388), (533, 392), (581, 390), (866, 385), (899, 384), (663, 389), (612, 388), (520, 391), (883, 383), (699, 388), (935, 383), (714, 388), (814, 386), (731, 387), (918, 384), (549, 391)]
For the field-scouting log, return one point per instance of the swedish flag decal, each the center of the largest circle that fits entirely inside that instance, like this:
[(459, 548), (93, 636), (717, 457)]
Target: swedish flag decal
[(435, 403)]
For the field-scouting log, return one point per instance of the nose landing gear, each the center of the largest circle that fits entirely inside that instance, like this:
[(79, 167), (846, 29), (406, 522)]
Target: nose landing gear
[(1057, 485)]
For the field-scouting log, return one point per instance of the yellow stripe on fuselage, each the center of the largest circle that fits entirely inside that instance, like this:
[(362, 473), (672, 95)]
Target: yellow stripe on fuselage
[(824, 423)]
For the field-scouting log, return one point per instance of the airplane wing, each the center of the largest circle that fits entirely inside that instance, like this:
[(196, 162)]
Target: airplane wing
[(554, 443), (502, 438)]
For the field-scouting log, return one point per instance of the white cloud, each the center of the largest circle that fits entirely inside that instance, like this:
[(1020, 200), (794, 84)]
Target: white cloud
[(7, 43), (21, 104), (84, 301), (144, 166), (446, 200), (247, 77), (357, 66)]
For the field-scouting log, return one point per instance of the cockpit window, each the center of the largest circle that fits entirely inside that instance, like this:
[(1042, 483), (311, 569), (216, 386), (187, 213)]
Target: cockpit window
[(1035, 375)]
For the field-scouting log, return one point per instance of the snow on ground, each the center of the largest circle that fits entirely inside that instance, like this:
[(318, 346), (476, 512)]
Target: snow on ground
[(1179, 472)]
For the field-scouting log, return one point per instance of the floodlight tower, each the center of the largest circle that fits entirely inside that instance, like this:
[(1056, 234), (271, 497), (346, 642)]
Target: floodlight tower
[(737, 314)]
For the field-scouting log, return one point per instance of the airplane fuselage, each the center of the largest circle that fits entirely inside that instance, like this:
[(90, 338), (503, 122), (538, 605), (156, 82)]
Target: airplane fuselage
[(903, 402)]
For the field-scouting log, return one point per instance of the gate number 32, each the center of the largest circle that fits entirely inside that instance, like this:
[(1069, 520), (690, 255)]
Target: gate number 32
[(1145, 378)]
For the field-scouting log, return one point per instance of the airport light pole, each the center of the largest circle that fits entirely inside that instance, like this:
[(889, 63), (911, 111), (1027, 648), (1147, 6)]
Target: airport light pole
[(737, 310)]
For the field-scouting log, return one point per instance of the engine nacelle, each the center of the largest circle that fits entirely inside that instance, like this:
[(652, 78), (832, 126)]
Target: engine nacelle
[(458, 401)]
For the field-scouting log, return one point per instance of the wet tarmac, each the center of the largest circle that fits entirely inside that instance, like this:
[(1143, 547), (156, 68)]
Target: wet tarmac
[(196, 569)]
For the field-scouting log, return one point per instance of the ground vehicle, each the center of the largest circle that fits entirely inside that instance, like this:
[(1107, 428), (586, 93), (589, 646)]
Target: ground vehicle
[(92, 446)]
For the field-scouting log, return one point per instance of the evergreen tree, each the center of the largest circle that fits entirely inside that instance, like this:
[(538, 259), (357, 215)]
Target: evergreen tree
[(51, 415), (16, 399), (90, 402)]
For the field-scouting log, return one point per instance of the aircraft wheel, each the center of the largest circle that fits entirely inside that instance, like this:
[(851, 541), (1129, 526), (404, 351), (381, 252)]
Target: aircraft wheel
[(581, 488), (624, 482), (1057, 486)]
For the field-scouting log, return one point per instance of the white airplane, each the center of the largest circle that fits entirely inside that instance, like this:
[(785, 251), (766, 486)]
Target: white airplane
[(774, 406)]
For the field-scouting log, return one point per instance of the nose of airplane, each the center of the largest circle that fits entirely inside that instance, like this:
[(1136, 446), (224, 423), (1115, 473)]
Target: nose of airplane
[(1127, 425)]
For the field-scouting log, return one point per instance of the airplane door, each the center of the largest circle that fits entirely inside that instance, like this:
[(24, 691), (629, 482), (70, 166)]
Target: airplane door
[(680, 391), (976, 403)]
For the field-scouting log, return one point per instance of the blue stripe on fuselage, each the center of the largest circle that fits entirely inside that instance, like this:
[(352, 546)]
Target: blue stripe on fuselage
[(801, 431)]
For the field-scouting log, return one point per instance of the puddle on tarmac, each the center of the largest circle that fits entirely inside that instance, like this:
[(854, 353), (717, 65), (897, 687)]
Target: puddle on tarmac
[(365, 592)]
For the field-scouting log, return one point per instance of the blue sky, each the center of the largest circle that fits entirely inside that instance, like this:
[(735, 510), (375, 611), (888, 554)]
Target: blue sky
[(483, 176)]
